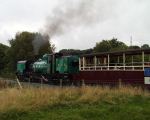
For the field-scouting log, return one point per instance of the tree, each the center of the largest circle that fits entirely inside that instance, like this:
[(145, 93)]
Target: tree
[(87, 51), (145, 46), (103, 46), (134, 47), (110, 45), (3, 59), (75, 52), (117, 45), (42, 45), (70, 52), (24, 45), (45, 48)]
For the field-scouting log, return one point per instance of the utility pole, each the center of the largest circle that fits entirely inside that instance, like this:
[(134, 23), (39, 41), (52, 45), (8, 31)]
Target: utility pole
[(131, 41)]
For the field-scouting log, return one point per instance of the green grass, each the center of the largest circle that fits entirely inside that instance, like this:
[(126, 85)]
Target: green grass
[(132, 110), (87, 103)]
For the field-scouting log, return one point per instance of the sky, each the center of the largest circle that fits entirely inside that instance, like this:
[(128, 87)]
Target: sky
[(77, 24)]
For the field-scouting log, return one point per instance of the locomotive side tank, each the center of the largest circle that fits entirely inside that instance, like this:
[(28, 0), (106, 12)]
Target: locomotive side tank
[(43, 65)]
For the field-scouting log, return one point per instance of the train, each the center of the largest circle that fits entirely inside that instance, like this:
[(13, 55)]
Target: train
[(105, 68), (51, 68)]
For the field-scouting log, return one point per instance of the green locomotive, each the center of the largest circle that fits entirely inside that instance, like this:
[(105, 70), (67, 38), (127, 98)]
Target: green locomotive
[(50, 68)]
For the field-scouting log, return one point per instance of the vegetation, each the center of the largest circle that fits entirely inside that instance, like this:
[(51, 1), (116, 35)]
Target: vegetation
[(104, 46), (110, 45), (27, 45), (85, 103), (75, 52), (145, 46), (3, 53), (24, 46)]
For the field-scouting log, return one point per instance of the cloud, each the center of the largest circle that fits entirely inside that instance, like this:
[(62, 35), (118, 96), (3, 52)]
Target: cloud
[(18, 15), (77, 13), (121, 19), (75, 18), (78, 24)]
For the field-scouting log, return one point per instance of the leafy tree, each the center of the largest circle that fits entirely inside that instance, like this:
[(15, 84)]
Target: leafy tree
[(75, 52), (145, 46), (110, 45), (23, 46), (87, 51), (117, 45), (147, 57), (46, 48), (103, 46), (3, 53)]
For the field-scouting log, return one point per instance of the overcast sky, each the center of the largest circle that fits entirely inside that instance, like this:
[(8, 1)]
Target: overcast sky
[(85, 22)]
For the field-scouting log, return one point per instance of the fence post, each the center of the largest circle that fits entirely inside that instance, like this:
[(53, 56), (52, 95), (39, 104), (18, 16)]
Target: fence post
[(83, 83), (41, 83), (108, 61), (19, 83), (60, 82), (120, 82)]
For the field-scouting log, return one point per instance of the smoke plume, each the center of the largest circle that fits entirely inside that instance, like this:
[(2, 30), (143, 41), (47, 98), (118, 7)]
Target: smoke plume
[(74, 13), (70, 14), (39, 40)]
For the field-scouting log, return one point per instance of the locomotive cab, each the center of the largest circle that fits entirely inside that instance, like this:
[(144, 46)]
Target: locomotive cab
[(67, 64)]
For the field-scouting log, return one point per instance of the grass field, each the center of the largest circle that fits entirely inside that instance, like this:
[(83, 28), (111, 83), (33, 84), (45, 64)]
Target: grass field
[(72, 103)]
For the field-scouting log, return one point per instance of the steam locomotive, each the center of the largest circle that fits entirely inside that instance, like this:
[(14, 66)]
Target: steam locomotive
[(51, 68)]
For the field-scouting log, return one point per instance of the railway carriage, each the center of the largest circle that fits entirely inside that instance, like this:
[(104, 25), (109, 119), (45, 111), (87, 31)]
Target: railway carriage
[(130, 67)]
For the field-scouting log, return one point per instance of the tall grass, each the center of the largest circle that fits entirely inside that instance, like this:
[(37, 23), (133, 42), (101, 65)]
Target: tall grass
[(31, 98), (5, 84)]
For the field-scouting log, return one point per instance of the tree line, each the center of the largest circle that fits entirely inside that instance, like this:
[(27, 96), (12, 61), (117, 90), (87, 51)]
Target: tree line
[(105, 46), (27, 45)]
